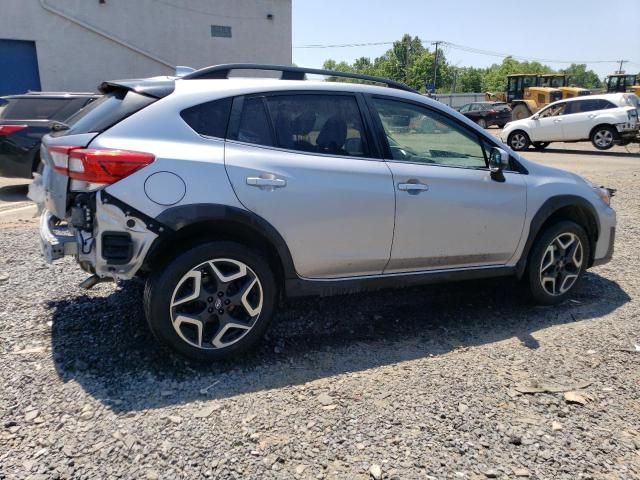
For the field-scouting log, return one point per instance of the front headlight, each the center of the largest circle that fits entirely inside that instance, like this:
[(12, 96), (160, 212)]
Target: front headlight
[(604, 193)]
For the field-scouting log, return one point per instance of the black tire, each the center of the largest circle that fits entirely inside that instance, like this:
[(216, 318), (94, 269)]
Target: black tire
[(518, 140), (520, 111), (540, 145), (163, 284), (540, 291), (482, 123), (501, 125), (604, 137)]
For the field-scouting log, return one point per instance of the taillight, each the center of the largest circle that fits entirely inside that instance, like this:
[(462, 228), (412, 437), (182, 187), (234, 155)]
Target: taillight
[(493, 111), (9, 129), (92, 165)]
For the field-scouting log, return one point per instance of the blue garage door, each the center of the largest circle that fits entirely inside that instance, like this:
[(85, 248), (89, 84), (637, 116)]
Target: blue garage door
[(18, 67)]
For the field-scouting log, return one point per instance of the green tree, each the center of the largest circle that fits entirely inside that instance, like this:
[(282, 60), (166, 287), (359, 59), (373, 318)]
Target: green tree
[(579, 76)]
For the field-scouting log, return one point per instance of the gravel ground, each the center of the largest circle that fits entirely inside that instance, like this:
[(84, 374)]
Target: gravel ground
[(421, 383)]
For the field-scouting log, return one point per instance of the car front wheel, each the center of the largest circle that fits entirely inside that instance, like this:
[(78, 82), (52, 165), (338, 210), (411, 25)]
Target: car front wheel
[(212, 301), (518, 140), (557, 262)]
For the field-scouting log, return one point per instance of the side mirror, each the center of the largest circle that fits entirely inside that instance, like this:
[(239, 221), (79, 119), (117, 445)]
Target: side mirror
[(535, 117), (498, 162)]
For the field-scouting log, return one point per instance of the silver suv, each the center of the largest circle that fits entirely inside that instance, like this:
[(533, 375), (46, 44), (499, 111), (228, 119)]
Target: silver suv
[(229, 194)]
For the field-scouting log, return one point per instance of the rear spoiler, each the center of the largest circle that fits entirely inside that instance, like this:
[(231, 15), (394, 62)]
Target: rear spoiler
[(157, 87)]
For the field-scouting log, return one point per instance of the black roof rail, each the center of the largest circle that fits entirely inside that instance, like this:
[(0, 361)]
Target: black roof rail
[(287, 73)]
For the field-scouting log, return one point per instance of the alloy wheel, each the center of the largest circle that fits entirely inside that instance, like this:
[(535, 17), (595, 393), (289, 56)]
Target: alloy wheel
[(216, 303), (561, 264), (518, 141), (603, 138)]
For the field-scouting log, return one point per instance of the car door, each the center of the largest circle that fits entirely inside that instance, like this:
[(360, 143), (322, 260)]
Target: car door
[(547, 125), (304, 163), (450, 213), (579, 118)]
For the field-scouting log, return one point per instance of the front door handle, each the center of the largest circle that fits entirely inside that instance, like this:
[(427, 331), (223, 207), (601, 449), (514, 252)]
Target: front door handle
[(266, 182), (413, 187), (557, 120)]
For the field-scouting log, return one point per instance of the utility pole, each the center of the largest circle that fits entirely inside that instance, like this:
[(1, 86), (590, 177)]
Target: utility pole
[(620, 68), (435, 65)]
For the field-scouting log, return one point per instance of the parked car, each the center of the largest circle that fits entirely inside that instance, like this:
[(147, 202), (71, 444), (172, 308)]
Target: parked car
[(229, 194), (24, 119), (605, 120), (487, 114)]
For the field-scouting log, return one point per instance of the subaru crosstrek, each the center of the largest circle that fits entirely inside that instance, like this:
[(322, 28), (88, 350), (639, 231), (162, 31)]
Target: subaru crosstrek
[(228, 194)]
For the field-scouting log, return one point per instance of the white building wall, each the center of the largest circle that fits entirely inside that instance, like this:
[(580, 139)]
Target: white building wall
[(72, 56)]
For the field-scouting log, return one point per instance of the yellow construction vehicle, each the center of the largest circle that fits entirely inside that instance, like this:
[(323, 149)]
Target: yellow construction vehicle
[(561, 82), (524, 96), (623, 82)]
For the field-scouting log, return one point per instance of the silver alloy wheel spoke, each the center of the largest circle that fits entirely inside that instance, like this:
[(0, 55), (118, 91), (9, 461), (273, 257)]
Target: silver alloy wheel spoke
[(223, 302), (603, 138), (561, 264)]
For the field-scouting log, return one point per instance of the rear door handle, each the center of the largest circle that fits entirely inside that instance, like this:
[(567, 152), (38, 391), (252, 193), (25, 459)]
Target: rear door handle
[(266, 182), (413, 187), (557, 120)]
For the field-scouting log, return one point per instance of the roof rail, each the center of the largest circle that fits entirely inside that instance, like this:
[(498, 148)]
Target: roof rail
[(288, 73)]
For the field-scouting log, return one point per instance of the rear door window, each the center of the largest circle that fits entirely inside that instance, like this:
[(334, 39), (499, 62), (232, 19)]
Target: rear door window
[(255, 126), (209, 119), (33, 108), (322, 123)]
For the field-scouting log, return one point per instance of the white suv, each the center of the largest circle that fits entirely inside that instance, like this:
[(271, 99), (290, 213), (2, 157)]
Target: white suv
[(603, 119), (229, 194)]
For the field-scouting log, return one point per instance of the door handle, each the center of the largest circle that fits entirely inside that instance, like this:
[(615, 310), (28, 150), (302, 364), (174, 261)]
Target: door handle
[(557, 120), (413, 187), (266, 182)]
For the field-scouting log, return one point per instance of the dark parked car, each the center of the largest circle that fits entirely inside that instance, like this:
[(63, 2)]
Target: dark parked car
[(24, 119), (486, 114)]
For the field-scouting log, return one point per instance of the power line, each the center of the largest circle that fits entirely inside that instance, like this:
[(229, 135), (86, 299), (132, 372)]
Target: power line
[(456, 46)]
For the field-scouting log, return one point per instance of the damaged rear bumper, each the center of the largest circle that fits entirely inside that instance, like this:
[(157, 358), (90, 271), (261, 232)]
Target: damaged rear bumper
[(56, 240)]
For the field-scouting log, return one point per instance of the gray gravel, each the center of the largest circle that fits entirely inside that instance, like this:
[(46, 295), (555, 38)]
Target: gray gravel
[(420, 383)]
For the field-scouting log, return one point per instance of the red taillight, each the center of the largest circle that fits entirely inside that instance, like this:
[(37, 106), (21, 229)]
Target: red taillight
[(97, 165), (9, 129), (493, 110)]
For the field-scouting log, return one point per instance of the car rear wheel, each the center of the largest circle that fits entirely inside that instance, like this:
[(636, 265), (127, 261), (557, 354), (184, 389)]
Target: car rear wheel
[(540, 145), (482, 123), (518, 140), (603, 138), (212, 301), (557, 262)]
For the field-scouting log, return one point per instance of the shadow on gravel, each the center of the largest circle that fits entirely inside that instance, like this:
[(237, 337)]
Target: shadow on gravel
[(597, 153), (104, 345), (14, 193)]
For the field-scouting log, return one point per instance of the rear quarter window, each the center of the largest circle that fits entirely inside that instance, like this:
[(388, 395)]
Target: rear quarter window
[(209, 119)]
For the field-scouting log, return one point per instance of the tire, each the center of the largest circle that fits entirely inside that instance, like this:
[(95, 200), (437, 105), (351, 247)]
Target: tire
[(234, 305), (518, 140), (501, 125), (482, 123), (520, 111), (604, 137), (553, 270), (540, 145)]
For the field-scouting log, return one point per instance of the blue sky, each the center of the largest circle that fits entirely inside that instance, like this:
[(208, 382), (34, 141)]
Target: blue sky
[(573, 30)]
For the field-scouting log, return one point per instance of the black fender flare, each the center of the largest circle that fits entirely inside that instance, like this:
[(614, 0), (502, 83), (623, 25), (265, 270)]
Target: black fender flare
[(546, 210), (179, 217)]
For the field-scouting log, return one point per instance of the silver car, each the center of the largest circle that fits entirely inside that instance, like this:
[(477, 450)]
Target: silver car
[(228, 194)]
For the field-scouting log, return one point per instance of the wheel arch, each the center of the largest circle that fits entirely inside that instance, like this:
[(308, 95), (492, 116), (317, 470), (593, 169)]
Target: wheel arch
[(192, 224), (554, 209), (600, 125)]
